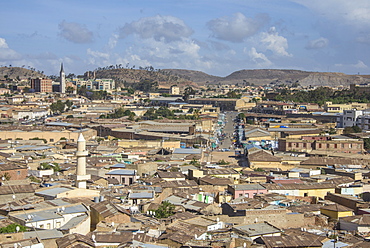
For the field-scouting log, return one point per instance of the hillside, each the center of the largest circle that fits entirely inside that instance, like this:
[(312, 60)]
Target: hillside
[(18, 73), (267, 76), (165, 78), (184, 78)]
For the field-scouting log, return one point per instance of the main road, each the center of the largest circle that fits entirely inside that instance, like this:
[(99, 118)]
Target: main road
[(228, 130)]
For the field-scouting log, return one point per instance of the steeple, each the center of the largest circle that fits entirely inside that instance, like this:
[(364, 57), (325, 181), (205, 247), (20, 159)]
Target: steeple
[(62, 82), (61, 68)]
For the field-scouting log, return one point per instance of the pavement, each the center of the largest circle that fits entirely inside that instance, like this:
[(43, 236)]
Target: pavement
[(228, 130)]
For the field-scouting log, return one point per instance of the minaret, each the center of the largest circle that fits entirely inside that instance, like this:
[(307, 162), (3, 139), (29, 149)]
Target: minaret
[(81, 155), (62, 84)]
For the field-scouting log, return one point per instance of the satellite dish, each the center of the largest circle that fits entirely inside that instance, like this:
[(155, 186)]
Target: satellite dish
[(63, 208), (112, 224)]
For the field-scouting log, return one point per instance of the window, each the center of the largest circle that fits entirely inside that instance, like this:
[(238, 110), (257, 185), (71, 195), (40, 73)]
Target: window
[(342, 145), (335, 145), (289, 144), (48, 226), (123, 179), (327, 145), (349, 145), (58, 224), (305, 194), (18, 172), (51, 140), (41, 226), (246, 195)]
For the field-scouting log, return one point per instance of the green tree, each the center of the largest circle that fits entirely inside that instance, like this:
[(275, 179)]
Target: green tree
[(165, 210), (12, 228), (47, 166), (367, 143), (188, 92), (353, 129)]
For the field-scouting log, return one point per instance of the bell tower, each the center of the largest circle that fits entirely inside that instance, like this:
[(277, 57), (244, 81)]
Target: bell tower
[(62, 84)]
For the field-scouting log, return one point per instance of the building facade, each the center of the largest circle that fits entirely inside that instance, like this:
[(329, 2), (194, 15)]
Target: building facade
[(42, 85)]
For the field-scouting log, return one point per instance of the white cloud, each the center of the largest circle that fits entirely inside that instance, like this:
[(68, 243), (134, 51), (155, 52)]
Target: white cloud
[(354, 13), (3, 43), (75, 32), (236, 28), (318, 43), (359, 65), (6, 53), (160, 28), (275, 43), (259, 58), (97, 58), (113, 41)]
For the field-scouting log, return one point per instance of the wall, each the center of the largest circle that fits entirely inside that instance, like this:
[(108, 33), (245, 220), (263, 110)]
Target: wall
[(149, 144), (48, 135)]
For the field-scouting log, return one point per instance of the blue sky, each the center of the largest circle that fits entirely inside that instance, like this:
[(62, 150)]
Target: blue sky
[(217, 37)]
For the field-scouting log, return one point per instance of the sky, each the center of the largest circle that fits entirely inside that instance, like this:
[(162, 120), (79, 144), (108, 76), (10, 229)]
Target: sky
[(217, 37)]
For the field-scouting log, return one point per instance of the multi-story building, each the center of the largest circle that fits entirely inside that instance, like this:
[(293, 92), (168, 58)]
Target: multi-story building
[(42, 85), (348, 118), (322, 143), (101, 84)]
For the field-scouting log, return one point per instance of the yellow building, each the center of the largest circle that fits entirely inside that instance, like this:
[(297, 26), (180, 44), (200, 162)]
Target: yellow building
[(335, 211), (338, 108), (304, 190), (244, 104)]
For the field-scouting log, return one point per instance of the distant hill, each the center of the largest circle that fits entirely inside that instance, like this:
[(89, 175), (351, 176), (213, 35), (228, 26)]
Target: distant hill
[(19, 73), (184, 78), (267, 76), (165, 78)]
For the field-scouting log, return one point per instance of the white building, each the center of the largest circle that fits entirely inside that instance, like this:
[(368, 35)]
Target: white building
[(54, 217), (348, 118)]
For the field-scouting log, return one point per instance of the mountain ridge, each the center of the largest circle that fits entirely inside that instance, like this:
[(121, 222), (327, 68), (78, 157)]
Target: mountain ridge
[(184, 78)]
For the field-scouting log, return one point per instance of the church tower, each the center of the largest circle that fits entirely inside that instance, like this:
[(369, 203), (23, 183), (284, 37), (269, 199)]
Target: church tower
[(62, 84), (81, 155)]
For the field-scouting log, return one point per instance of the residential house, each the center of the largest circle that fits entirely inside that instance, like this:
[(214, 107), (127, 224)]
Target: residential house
[(13, 171), (355, 223), (170, 176), (125, 177), (335, 211), (75, 240), (247, 190), (306, 189), (108, 212), (54, 217), (254, 231), (263, 159)]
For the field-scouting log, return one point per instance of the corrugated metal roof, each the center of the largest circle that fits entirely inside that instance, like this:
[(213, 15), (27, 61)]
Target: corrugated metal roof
[(121, 172)]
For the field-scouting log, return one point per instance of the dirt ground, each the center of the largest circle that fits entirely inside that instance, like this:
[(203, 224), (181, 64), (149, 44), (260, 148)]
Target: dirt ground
[(217, 156)]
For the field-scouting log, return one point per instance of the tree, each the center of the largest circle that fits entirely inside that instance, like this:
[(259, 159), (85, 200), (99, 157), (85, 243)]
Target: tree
[(367, 143), (47, 166), (12, 228), (188, 92), (70, 89), (166, 209), (353, 129)]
